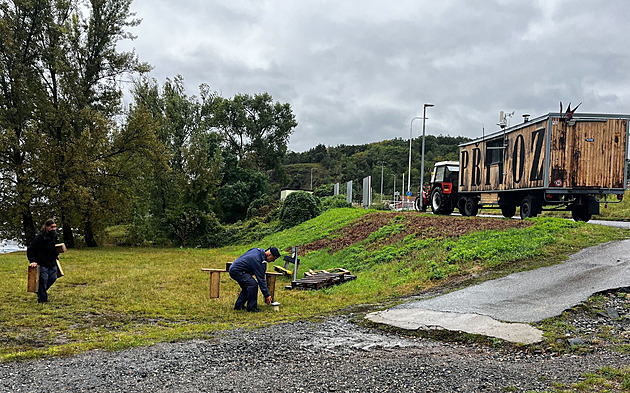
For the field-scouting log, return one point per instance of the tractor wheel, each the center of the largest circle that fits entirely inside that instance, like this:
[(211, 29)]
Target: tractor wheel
[(417, 205), (529, 207), (508, 211), (469, 207), (439, 202)]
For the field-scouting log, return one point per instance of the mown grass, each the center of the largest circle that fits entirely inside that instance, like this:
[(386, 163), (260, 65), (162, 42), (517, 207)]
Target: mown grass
[(115, 298)]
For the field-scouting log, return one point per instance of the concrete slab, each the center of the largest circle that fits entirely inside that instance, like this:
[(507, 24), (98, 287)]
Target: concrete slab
[(522, 297), (415, 319)]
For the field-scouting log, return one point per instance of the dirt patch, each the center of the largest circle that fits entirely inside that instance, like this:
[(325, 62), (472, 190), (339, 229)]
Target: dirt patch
[(424, 226)]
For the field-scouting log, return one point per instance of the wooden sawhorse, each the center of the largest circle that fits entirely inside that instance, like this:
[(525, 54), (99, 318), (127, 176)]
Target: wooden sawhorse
[(215, 280)]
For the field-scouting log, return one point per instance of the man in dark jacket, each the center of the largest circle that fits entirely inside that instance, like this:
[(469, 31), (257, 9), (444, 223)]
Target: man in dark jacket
[(41, 251), (253, 262)]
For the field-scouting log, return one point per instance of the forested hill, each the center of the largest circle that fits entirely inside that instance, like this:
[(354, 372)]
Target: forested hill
[(343, 163)]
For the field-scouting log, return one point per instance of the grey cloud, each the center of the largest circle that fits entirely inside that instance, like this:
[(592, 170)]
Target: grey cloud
[(358, 71)]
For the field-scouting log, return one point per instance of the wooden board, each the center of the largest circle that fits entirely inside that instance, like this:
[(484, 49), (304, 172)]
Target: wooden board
[(59, 269), (33, 278), (489, 198), (321, 280), (215, 280)]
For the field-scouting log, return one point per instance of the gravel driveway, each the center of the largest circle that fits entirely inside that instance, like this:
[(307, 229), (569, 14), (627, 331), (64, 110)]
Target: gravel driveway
[(330, 356)]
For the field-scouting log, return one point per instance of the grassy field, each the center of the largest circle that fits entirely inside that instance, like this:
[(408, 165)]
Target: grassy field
[(115, 298)]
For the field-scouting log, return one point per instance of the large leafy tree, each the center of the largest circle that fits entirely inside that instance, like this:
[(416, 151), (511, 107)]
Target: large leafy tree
[(61, 56), (255, 129), (179, 199), (21, 28)]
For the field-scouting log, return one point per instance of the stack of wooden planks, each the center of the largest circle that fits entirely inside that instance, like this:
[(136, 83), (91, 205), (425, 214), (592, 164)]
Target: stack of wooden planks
[(322, 279)]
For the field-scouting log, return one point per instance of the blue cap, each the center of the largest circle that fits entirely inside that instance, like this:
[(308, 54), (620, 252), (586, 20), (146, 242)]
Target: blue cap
[(274, 252)]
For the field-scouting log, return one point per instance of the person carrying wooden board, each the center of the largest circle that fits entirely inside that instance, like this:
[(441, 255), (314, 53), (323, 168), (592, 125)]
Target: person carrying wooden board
[(42, 252)]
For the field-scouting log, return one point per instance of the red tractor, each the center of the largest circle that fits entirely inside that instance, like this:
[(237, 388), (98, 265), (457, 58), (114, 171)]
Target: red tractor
[(443, 196)]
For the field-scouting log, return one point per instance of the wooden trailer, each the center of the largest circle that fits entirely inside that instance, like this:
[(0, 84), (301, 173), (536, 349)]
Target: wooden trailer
[(551, 162)]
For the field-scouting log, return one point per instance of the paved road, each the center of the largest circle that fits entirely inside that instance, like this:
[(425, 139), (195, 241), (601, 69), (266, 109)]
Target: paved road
[(491, 307)]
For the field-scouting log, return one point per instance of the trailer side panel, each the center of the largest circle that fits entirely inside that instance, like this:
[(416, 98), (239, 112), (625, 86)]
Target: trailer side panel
[(588, 153), (519, 164)]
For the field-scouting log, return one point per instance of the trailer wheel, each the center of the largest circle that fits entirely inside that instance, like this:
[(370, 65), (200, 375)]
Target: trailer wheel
[(469, 207), (528, 208), (508, 211), (581, 214)]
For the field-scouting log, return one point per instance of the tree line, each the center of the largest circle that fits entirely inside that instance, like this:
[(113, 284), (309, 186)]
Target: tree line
[(387, 160), (173, 167), (171, 163)]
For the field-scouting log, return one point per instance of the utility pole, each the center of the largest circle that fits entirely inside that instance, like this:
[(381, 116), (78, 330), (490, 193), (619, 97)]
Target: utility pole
[(382, 166), (424, 118)]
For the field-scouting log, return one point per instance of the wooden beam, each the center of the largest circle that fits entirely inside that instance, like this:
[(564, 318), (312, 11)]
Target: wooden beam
[(33, 278)]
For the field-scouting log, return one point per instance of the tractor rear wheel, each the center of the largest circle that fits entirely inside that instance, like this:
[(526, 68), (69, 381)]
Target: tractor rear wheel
[(439, 203)]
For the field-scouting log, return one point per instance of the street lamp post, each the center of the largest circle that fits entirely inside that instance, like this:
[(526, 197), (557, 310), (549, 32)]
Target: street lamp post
[(424, 118), (312, 179), (409, 174), (382, 166), (394, 191)]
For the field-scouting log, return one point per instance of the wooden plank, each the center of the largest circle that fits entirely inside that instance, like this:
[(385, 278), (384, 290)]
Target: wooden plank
[(59, 269), (214, 270), (271, 285), (490, 198), (322, 279), (215, 280), (33, 278), (282, 270)]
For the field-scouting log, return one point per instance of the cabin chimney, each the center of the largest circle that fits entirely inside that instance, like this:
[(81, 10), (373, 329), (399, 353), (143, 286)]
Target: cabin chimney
[(525, 117)]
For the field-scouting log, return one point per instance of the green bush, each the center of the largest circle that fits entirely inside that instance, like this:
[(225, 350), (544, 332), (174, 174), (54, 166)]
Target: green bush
[(324, 190), (298, 207), (190, 227), (259, 207), (335, 201)]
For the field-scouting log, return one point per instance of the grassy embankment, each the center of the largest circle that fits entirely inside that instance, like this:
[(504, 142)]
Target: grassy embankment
[(115, 298)]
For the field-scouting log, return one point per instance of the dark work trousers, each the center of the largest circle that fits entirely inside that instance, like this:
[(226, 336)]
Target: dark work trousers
[(47, 277), (249, 291)]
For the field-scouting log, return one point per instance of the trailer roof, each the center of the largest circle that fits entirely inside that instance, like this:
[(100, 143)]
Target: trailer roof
[(576, 116)]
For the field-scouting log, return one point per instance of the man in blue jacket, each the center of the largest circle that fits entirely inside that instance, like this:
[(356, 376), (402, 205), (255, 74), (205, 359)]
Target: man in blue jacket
[(253, 262)]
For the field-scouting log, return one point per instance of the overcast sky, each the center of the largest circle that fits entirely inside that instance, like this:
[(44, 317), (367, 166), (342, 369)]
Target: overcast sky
[(358, 71)]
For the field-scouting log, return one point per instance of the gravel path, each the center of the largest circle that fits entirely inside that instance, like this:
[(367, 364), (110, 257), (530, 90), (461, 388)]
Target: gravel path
[(330, 356)]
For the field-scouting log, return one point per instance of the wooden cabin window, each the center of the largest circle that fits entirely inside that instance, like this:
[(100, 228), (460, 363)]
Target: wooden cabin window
[(494, 152)]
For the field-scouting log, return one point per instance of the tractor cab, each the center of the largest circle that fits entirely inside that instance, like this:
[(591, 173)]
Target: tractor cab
[(444, 186), (445, 172)]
